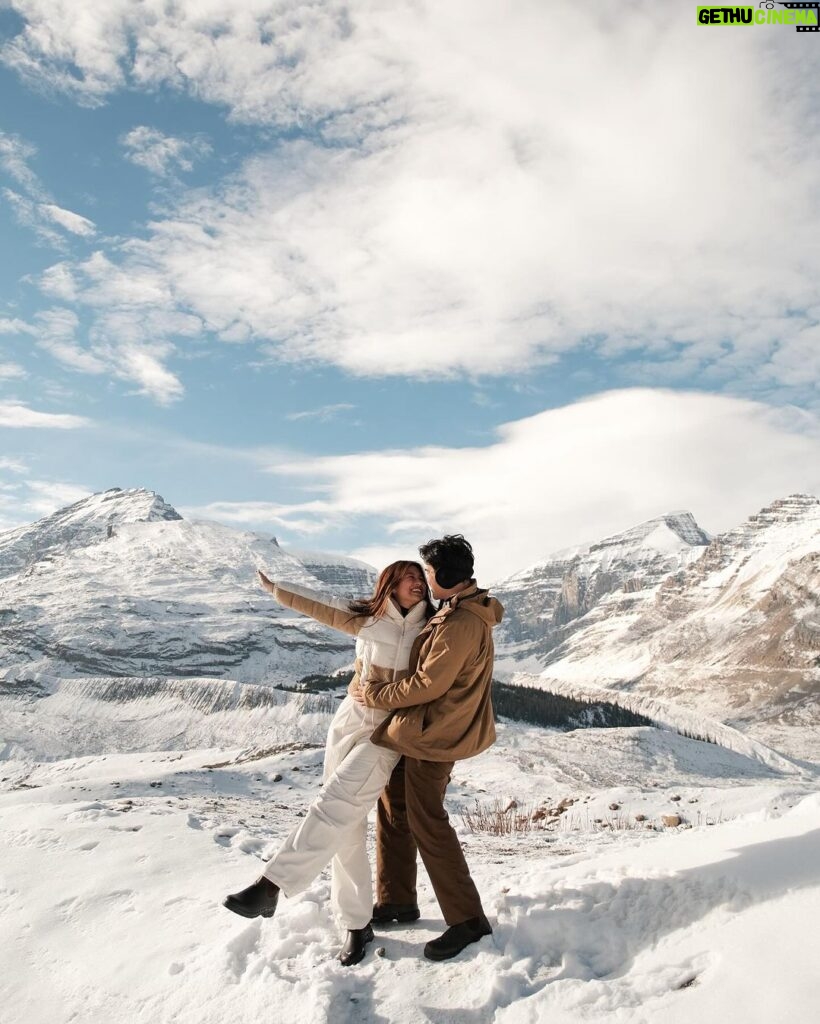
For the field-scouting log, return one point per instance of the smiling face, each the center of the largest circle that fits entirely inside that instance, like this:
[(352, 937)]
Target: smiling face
[(410, 589)]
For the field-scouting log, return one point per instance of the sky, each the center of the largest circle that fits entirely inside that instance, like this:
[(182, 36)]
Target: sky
[(358, 275)]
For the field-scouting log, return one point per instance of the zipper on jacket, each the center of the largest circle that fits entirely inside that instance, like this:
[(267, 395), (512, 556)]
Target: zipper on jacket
[(399, 647)]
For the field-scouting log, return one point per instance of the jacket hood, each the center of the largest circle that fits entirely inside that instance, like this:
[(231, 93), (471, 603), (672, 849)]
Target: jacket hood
[(480, 603)]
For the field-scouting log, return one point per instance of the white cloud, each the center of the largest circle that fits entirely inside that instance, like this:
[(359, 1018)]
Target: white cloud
[(163, 154), (134, 318), (15, 414), (73, 222), (15, 154), (99, 31), (104, 283), (143, 364), (14, 326), (25, 500), (504, 185), (11, 371), (570, 475), (39, 217), (428, 527), (35, 210), (28, 214), (256, 513), (46, 496), (258, 57), (135, 355), (323, 414), (55, 332)]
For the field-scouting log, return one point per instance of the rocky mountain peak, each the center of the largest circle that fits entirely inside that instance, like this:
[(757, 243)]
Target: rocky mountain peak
[(686, 527), (88, 521), (783, 526), (661, 535), (797, 509), (563, 588), (792, 509), (134, 505)]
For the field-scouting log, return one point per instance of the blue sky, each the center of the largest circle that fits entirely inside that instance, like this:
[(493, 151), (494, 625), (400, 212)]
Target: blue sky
[(344, 273)]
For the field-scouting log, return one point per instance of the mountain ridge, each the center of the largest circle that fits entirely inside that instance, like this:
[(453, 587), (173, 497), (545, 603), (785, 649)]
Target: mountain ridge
[(732, 633), (120, 585)]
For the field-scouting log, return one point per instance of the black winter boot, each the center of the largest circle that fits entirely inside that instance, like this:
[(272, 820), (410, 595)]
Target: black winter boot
[(355, 945), (401, 912), (456, 938), (258, 900)]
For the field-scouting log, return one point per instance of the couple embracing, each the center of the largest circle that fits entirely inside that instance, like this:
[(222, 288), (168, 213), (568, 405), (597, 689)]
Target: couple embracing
[(420, 699)]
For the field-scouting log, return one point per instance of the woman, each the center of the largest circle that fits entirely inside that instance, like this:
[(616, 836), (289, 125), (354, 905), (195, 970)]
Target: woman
[(355, 770)]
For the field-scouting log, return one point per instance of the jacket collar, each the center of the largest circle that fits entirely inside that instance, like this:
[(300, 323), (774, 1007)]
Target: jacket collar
[(416, 614), (462, 595)]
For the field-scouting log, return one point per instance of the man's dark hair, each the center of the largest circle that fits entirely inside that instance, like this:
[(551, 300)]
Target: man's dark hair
[(451, 558)]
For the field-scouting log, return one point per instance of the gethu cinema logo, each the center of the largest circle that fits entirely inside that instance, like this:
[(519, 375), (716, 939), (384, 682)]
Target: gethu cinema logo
[(804, 16)]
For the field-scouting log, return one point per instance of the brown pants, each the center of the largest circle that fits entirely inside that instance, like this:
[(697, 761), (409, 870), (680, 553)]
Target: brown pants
[(411, 817)]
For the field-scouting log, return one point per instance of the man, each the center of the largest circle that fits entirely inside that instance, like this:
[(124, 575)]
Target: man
[(443, 713)]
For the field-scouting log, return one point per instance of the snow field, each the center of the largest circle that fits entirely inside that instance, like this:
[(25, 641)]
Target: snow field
[(112, 869)]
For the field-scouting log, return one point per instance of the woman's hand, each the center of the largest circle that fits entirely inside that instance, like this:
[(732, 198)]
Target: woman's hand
[(358, 695), (269, 585)]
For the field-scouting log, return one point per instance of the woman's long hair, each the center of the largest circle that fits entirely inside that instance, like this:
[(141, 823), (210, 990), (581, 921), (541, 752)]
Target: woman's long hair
[(389, 579)]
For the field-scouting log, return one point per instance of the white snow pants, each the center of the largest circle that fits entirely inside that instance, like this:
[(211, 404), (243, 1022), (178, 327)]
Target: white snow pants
[(356, 771)]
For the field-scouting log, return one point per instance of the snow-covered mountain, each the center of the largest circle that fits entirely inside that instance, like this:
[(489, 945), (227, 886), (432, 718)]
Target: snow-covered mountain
[(543, 604), (732, 632), (120, 585), (84, 523)]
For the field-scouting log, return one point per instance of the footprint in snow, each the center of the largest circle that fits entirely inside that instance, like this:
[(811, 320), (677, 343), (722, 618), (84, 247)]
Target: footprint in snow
[(223, 836)]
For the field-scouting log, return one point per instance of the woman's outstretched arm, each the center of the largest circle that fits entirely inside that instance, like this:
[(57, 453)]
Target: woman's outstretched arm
[(331, 611)]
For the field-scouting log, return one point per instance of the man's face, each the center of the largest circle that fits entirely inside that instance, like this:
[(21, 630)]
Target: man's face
[(430, 573)]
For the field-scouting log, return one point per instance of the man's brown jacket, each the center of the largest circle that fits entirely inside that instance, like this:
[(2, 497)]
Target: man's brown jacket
[(443, 709)]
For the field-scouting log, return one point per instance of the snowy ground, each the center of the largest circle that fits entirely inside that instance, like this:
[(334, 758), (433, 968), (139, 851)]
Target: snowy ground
[(113, 867)]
